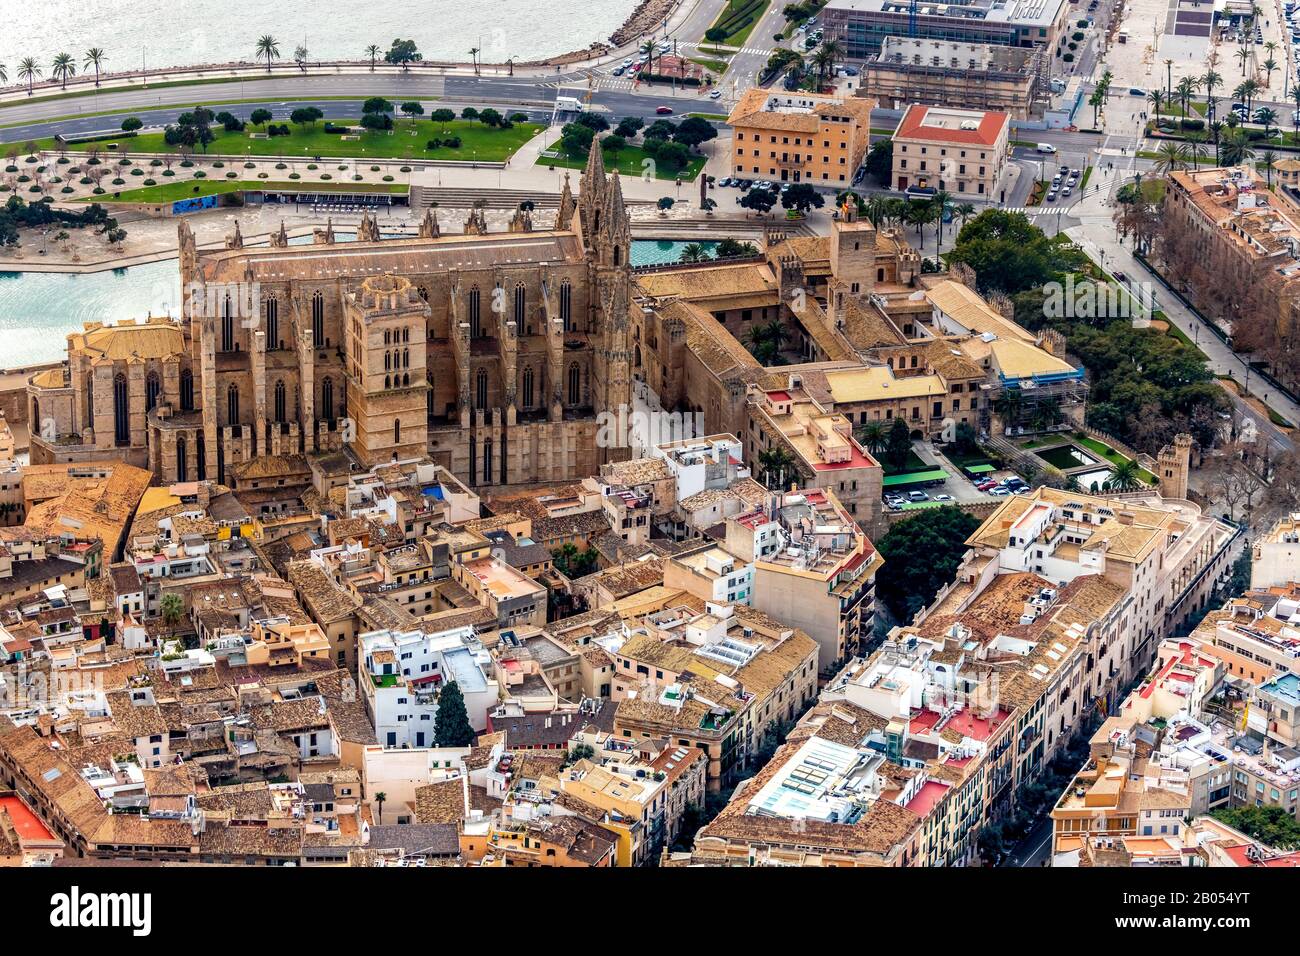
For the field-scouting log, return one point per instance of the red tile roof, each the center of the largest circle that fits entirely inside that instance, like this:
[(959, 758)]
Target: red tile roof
[(913, 125)]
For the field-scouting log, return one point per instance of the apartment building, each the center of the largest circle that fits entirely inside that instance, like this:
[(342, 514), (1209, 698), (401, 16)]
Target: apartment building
[(1165, 553), (402, 674), (961, 151), (822, 442), (814, 569), (799, 137), (1275, 557), (1256, 636), (717, 682)]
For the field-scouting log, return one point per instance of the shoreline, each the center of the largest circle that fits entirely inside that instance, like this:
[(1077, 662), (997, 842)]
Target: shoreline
[(643, 19)]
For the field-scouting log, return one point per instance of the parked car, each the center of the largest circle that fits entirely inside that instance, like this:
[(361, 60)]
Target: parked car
[(999, 492), (986, 484), (1046, 148), (715, 94), (943, 497), (917, 496)]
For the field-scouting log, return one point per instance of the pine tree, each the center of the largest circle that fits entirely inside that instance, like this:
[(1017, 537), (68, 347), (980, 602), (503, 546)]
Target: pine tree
[(451, 724)]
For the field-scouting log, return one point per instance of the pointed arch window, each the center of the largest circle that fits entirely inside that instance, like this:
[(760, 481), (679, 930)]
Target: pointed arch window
[(273, 324), (232, 404), (521, 305), (475, 317), (279, 401), (181, 464), (121, 411), (566, 305), (480, 389), (487, 459), (575, 384), (528, 387), (327, 398), (397, 431), (318, 320), (227, 325), (151, 389), (428, 398)]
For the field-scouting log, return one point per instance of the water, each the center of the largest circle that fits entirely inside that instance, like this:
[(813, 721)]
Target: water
[(39, 309), (658, 252), (190, 32)]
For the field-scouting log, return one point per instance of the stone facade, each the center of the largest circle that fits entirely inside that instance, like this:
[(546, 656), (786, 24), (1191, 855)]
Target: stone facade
[(490, 353)]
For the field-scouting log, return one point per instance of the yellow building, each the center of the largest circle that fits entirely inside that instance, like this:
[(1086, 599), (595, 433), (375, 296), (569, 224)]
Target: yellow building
[(799, 137)]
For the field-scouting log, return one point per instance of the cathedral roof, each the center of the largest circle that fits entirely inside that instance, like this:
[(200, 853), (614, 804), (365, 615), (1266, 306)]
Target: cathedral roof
[(157, 338)]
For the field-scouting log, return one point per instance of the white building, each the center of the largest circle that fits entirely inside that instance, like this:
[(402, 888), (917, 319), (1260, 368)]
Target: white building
[(402, 675)]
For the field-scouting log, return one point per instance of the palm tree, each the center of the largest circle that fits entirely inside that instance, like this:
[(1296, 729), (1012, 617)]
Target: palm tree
[(873, 435), (775, 464), (63, 67), (648, 49), (269, 47), (1268, 117), (172, 607), (1270, 65), (1171, 157), (95, 57), (1196, 147), (965, 211), (1157, 99), (380, 797), (1266, 157), (1243, 55), (373, 52), (1235, 148), (1096, 100), (941, 200), (876, 209), (1124, 477), (473, 56), (29, 71), (1186, 87), (693, 252), (1250, 88)]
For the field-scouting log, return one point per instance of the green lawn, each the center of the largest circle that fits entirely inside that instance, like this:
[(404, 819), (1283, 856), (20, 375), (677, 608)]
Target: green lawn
[(716, 67), (478, 142), (627, 162), (191, 189), (738, 18)]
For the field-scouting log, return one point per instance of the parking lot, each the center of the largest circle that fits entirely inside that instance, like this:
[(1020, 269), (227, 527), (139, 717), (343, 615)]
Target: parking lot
[(942, 481)]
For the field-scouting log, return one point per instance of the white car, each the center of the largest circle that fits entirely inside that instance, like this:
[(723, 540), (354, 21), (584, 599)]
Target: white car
[(715, 94), (1046, 148), (943, 497)]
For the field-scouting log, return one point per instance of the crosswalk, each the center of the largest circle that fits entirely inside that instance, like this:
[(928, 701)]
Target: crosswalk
[(1031, 210)]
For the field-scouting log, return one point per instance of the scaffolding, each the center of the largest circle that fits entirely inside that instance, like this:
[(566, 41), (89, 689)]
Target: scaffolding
[(951, 73)]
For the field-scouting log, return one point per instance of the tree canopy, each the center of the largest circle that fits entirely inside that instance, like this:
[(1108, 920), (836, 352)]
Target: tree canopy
[(906, 583), (451, 726)]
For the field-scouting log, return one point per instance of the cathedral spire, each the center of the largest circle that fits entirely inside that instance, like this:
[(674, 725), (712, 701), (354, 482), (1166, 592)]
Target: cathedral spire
[(368, 229), (429, 226), (564, 218), (236, 239), (280, 239)]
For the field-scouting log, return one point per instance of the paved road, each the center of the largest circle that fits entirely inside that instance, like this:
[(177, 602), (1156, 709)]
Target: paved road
[(1036, 848)]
